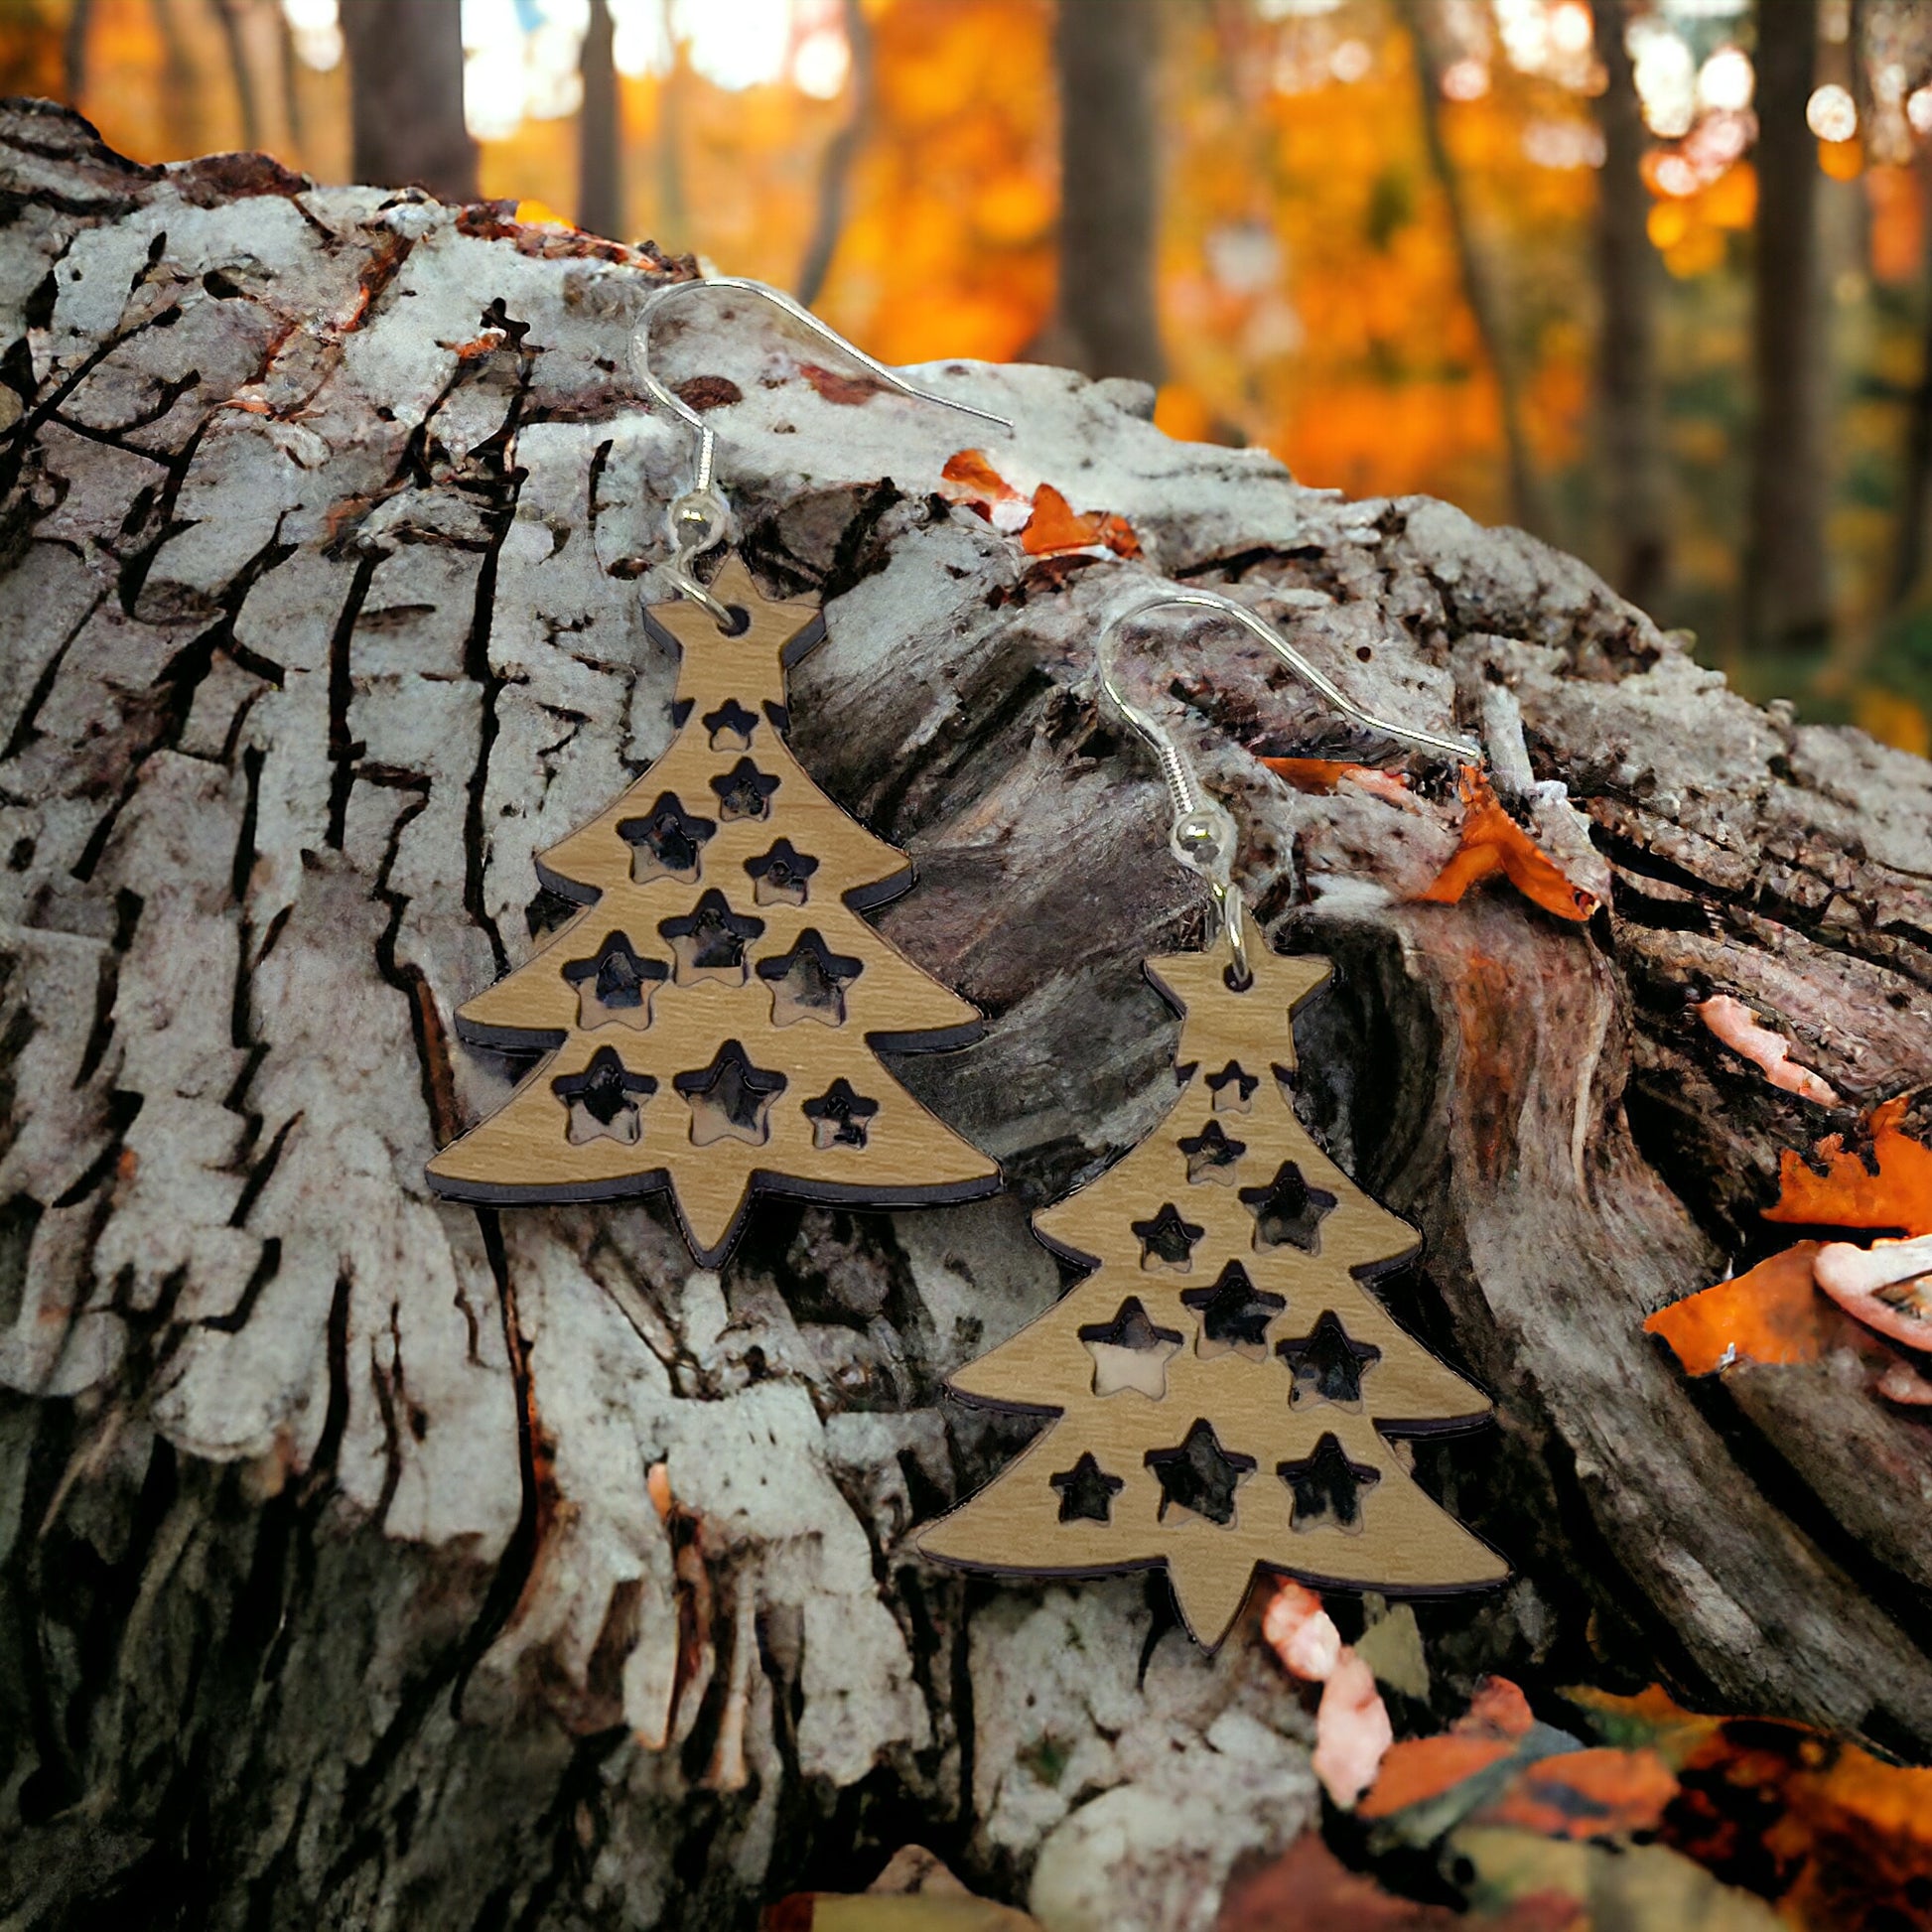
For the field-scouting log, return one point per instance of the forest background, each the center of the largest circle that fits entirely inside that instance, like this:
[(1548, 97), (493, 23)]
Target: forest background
[(1652, 278)]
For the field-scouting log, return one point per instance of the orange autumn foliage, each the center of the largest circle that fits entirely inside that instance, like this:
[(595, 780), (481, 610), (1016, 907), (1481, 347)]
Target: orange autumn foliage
[(978, 478), (1055, 526), (1586, 1794), (1420, 1768), (1492, 842), (1772, 1314), (1893, 1191)]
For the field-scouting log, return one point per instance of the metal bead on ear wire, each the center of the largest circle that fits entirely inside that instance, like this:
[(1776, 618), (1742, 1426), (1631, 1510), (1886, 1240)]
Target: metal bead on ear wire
[(712, 1015), (1222, 1379)]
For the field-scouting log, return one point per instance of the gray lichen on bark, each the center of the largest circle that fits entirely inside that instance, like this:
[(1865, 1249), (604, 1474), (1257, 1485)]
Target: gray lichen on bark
[(338, 1587)]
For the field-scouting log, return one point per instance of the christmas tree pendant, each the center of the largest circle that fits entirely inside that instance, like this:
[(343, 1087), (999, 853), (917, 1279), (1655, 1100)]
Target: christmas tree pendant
[(712, 1015), (1222, 1378)]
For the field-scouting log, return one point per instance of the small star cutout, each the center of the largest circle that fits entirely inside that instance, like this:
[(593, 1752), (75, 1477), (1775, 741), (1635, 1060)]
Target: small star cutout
[(1288, 1212), (778, 877), (731, 1098), (1328, 1489), (1233, 1089), (1199, 1476), (731, 726), (615, 985), (1168, 1241), (603, 1102), (808, 982), (1211, 1155), (1327, 1364), (742, 791), (709, 942), (1234, 1313), (1087, 1491), (1130, 1353), (665, 842), (840, 1117)]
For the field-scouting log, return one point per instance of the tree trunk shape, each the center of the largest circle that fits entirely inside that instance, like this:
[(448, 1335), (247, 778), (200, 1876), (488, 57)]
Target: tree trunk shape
[(834, 170), (1628, 399), (405, 96), (1479, 289), (369, 1558), (1110, 160), (600, 130), (1915, 458), (1787, 606)]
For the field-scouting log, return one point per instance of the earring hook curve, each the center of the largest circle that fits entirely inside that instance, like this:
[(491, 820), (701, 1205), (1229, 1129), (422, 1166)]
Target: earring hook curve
[(698, 517), (1203, 834)]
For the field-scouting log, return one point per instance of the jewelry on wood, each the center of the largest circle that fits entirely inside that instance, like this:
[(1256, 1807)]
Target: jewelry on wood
[(1223, 1379)]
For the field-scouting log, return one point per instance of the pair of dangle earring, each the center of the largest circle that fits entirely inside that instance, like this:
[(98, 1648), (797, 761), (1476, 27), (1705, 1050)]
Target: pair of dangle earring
[(1222, 1378), (712, 1015)]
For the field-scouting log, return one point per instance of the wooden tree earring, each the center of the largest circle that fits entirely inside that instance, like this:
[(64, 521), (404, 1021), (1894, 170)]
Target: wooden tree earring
[(712, 1017), (1222, 1379)]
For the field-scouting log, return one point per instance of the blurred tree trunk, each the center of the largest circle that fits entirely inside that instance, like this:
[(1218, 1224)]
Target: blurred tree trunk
[(74, 51), (1107, 321), (180, 91), (229, 14), (1626, 356), (673, 218), (1908, 542), (405, 91), (1478, 284), (835, 172), (600, 130), (1786, 596)]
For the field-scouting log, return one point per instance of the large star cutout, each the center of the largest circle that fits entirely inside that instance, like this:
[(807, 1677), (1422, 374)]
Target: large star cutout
[(781, 875), (743, 792), (603, 1101), (731, 726), (1328, 1363), (1130, 1353), (1233, 1088), (1288, 1212), (731, 1099), (1211, 1155), (1199, 1476), (1087, 1491), (1328, 1489), (616, 984), (709, 941), (1224, 1021), (809, 982), (666, 842), (1234, 1313), (1168, 1241), (839, 1116)]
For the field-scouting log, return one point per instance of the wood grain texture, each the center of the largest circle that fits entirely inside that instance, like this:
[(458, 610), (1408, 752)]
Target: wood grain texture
[(1229, 1254), (777, 998)]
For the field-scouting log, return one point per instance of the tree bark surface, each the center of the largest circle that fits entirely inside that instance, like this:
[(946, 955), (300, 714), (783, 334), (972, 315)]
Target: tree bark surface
[(368, 1560)]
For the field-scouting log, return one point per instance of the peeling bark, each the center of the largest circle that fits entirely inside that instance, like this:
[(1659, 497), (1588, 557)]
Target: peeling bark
[(368, 1559)]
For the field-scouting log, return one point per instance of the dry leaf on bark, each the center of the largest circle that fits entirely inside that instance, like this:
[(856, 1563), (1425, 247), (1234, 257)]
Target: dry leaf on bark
[(1493, 843)]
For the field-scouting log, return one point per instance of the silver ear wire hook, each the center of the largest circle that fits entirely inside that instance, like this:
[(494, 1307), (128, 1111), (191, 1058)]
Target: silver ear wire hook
[(1204, 834), (699, 517)]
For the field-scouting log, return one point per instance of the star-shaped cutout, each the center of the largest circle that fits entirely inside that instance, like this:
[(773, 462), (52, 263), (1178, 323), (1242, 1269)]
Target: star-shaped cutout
[(1199, 1476), (665, 842), (731, 1099), (731, 726), (1168, 1241), (808, 982), (1211, 1155), (709, 941), (840, 1117), (1087, 1491), (743, 792), (1130, 1353), (1328, 1489), (1233, 1088), (603, 1102), (779, 877), (1328, 1363), (1234, 1313), (614, 983), (1288, 1212)]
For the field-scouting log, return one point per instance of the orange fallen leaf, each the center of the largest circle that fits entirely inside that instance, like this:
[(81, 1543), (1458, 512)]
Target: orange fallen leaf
[(1598, 1793), (1739, 1028), (1498, 1709), (1055, 525), (1772, 1314), (1420, 1768), (1323, 775), (1492, 842), (839, 388), (972, 468), (1352, 1733), (1893, 1191)]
